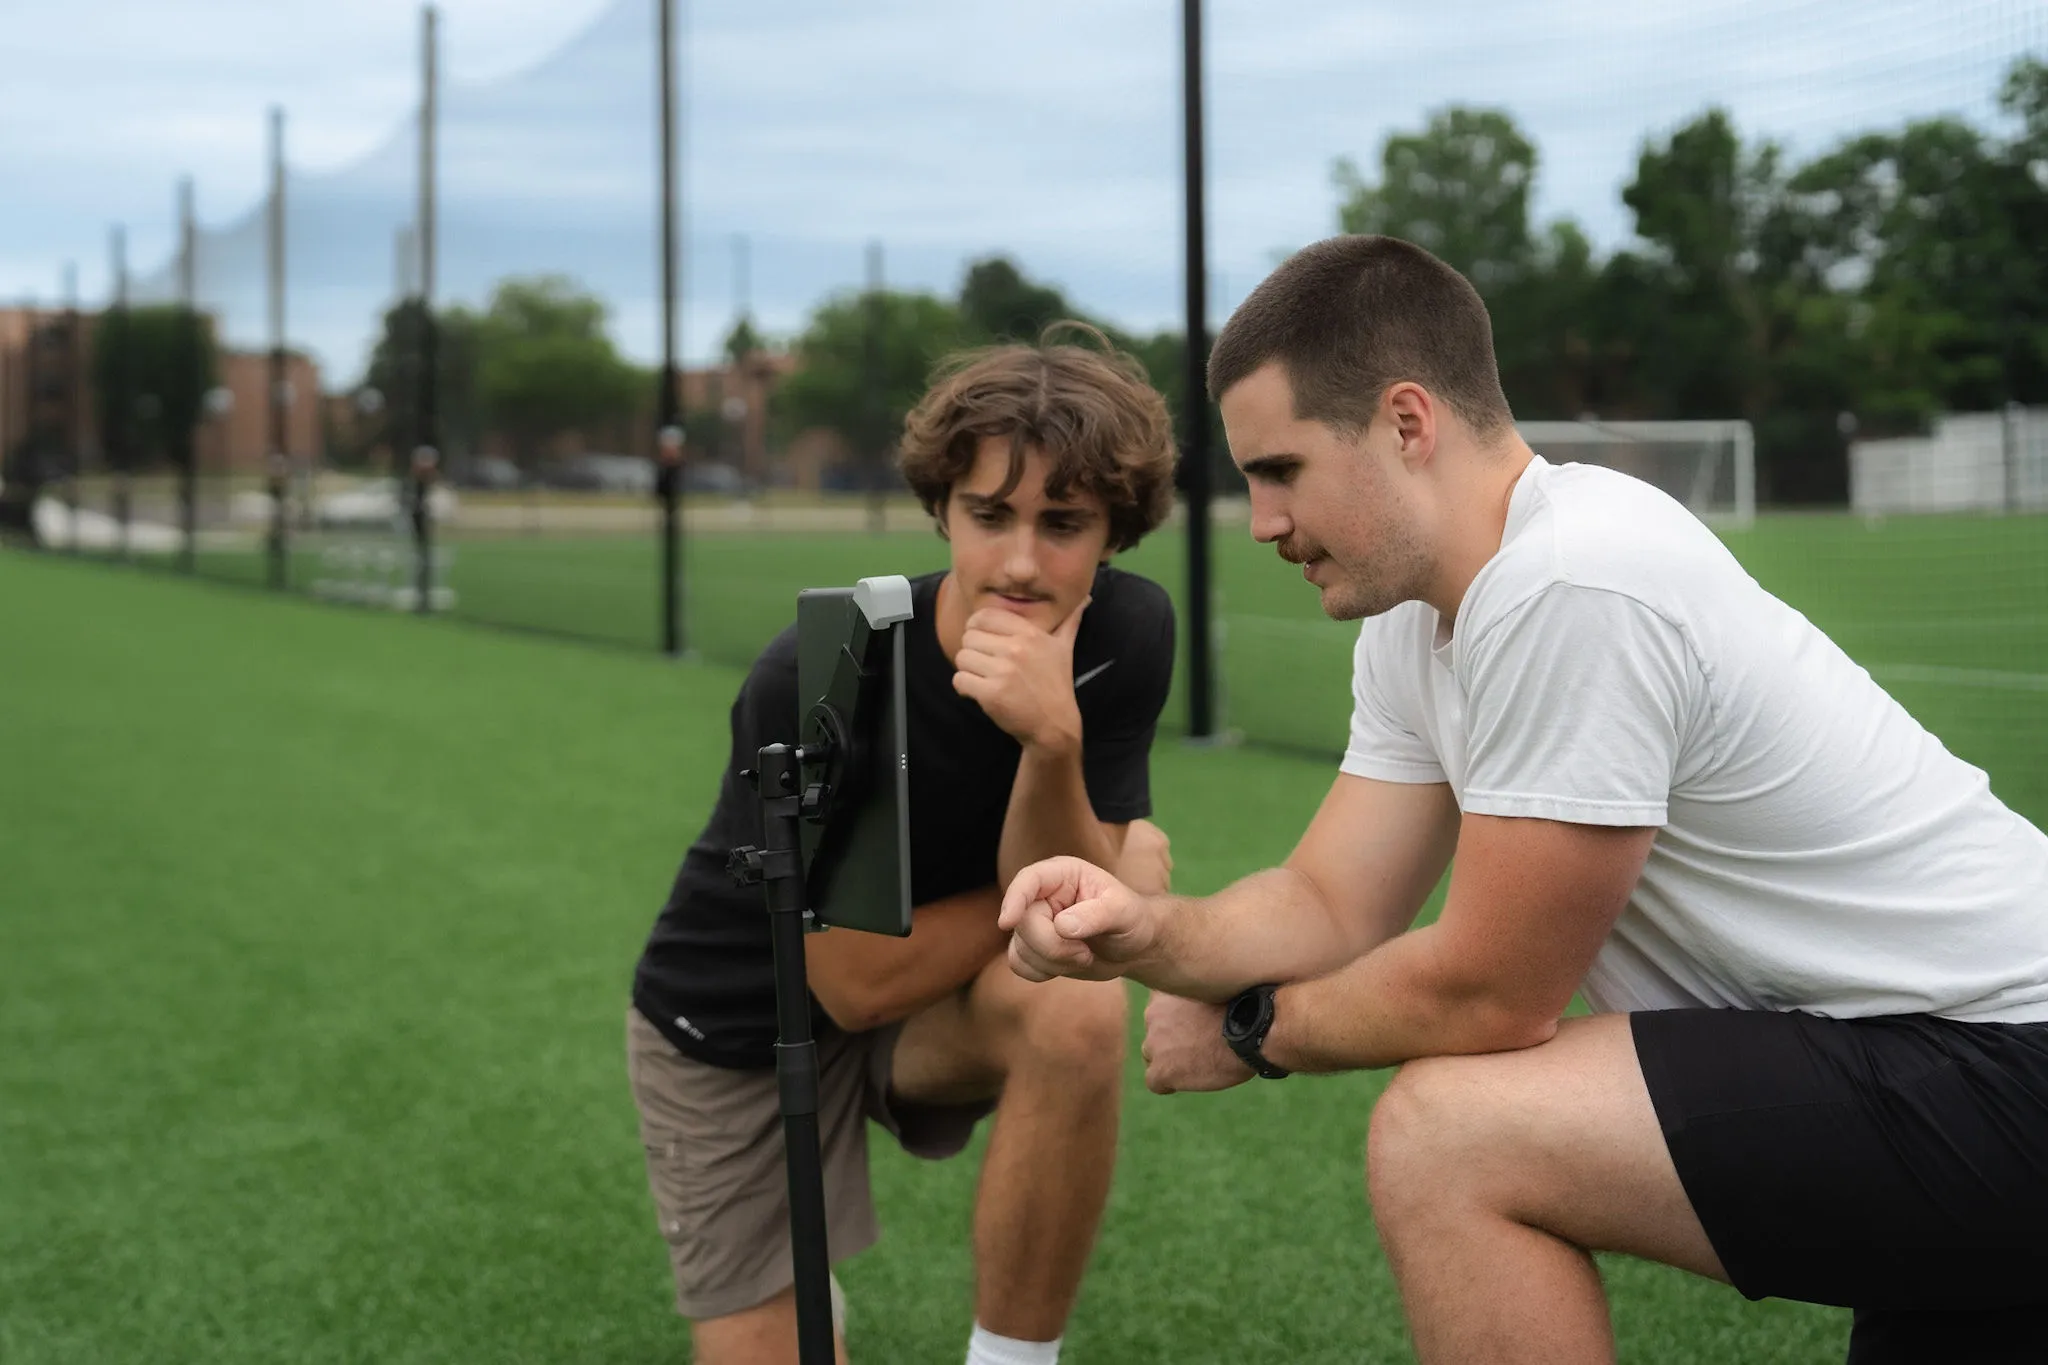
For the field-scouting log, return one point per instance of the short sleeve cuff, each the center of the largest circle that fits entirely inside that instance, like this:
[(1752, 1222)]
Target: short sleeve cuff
[(1383, 769), (1121, 812), (1569, 810)]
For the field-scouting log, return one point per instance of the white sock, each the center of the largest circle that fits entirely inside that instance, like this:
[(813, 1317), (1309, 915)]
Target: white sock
[(986, 1348)]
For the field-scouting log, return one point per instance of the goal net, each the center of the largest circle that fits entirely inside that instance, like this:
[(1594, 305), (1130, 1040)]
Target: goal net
[(1708, 466)]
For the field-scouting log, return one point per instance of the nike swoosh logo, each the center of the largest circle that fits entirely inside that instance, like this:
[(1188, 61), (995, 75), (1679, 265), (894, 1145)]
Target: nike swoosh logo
[(1093, 672)]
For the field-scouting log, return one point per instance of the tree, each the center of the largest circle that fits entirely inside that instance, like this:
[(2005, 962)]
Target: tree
[(997, 303), (546, 368), (895, 337), (152, 369), (393, 373), (743, 341), (1545, 329), (1459, 188), (1933, 232)]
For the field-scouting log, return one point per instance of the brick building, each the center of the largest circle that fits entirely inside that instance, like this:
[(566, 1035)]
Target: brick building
[(235, 438), (47, 395), (45, 386)]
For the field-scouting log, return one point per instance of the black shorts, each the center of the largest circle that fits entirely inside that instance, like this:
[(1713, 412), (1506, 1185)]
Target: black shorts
[(1897, 1166)]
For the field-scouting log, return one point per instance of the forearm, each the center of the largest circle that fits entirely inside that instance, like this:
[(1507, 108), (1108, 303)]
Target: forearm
[(1271, 926), (867, 980), (1398, 1002), (1050, 815)]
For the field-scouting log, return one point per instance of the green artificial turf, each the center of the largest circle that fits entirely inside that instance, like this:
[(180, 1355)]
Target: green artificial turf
[(315, 932)]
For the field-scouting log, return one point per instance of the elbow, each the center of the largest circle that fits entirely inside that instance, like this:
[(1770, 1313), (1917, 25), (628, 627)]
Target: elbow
[(1492, 1025), (854, 1009)]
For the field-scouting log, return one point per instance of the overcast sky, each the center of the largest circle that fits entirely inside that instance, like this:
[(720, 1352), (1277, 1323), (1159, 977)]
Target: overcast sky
[(944, 128)]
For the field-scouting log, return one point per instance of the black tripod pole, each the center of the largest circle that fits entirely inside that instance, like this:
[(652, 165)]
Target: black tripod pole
[(779, 867)]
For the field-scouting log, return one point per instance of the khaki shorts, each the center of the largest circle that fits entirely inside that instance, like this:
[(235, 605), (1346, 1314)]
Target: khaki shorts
[(715, 1164)]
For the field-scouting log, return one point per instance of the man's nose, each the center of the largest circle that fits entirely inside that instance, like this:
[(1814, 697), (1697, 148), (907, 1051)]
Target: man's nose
[(1270, 521)]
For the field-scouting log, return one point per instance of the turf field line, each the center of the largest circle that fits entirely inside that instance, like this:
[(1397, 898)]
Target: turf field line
[(1962, 677)]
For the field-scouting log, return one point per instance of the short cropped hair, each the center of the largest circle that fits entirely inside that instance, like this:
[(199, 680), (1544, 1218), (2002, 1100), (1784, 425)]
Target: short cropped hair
[(1091, 409), (1349, 317)]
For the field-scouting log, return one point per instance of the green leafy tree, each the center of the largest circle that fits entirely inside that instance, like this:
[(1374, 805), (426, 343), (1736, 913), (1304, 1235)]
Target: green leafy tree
[(997, 302), (1700, 199), (152, 369), (547, 368), (393, 374), (743, 341), (863, 362), (1949, 224), (1459, 188)]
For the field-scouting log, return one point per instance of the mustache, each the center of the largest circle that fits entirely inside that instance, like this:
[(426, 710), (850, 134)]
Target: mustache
[(1298, 552)]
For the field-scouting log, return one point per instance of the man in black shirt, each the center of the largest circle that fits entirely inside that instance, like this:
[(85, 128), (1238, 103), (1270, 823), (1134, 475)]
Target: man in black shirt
[(1035, 675)]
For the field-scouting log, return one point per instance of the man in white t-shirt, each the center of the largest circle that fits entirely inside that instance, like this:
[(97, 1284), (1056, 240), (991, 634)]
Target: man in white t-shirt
[(1815, 943)]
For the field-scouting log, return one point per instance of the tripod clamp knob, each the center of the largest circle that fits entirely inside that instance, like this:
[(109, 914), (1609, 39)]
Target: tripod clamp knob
[(744, 866)]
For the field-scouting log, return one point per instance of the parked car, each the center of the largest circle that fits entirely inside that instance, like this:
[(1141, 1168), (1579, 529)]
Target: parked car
[(379, 502), (597, 472), (490, 471), (713, 478)]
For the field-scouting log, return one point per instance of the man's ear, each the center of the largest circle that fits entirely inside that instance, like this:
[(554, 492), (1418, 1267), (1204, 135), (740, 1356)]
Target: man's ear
[(1411, 411)]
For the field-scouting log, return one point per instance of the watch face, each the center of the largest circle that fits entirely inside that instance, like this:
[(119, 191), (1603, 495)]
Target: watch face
[(1243, 1015)]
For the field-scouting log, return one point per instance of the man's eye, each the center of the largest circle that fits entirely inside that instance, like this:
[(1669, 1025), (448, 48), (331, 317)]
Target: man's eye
[(987, 516), (1062, 528)]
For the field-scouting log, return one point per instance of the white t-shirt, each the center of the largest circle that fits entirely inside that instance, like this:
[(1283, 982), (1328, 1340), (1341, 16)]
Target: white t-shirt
[(1817, 848)]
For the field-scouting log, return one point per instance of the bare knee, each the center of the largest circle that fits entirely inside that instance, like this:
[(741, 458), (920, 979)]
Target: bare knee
[(1076, 1029), (762, 1335), (1420, 1144)]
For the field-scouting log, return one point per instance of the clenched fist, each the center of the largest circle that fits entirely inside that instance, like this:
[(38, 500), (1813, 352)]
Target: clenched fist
[(1067, 917), (1021, 676)]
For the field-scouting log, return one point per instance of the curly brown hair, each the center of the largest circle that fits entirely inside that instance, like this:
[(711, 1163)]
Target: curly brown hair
[(1090, 409)]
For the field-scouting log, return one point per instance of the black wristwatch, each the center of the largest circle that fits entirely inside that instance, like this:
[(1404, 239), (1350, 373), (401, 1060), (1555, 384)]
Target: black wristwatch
[(1246, 1020)]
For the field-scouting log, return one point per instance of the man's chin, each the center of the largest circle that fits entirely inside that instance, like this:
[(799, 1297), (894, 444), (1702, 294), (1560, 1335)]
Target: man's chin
[(1340, 606)]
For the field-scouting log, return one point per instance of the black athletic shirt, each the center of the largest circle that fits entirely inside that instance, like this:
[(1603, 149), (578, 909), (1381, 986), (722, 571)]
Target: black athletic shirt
[(706, 979)]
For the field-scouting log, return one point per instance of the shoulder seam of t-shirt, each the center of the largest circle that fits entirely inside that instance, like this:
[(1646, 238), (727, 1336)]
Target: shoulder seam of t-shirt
[(1692, 650), (1554, 573)]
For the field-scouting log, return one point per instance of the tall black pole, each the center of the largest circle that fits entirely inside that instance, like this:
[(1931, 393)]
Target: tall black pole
[(871, 390), (668, 402), (426, 455), (118, 403), (185, 443), (74, 392), (279, 460), (402, 384), (1195, 399)]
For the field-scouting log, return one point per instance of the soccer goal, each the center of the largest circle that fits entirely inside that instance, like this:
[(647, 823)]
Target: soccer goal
[(1708, 466)]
